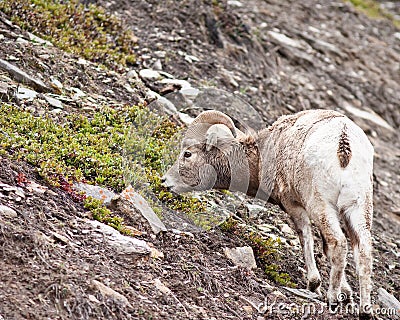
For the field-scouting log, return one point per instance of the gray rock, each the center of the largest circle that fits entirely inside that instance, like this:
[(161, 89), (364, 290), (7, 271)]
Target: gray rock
[(149, 74), (285, 228), (4, 87), (25, 93), (182, 83), (38, 40), (157, 65), (133, 204), (304, 293), (109, 293), (241, 256), (168, 106), (78, 93), (95, 191), (53, 102), (23, 77), (190, 92), (56, 83), (189, 58), (186, 119), (284, 40), (389, 302), (245, 115), (122, 244), (254, 210), (371, 116), (132, 74), (7, 212), (234, 3)]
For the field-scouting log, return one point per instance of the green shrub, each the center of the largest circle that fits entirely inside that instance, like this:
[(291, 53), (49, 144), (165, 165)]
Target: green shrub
[(266, 250), (88, 31)]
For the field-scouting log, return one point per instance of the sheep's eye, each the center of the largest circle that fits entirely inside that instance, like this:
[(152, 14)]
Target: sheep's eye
[(187, 154)]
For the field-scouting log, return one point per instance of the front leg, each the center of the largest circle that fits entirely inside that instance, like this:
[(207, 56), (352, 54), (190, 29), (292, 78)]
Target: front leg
[(303, 227)]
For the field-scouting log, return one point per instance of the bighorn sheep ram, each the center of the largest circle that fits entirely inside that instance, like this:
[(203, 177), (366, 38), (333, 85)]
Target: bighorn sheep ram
[(316, 164)]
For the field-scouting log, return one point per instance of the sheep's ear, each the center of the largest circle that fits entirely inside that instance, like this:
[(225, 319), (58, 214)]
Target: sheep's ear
[(219, 136)]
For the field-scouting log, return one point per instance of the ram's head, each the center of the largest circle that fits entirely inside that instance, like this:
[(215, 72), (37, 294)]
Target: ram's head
[(209, 155)]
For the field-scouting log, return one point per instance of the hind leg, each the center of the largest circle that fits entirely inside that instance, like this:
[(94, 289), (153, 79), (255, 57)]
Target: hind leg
[(326, 218), (303, 227), (359, 225)]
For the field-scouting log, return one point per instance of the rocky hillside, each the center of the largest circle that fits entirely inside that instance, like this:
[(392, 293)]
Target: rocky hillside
[(94, 96)]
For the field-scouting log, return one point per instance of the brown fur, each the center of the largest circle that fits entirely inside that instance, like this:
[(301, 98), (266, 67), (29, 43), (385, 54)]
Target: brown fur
[(344, 150)]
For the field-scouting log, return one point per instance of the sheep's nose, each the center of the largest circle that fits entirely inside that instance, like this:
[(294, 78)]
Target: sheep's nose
[(163, 179)]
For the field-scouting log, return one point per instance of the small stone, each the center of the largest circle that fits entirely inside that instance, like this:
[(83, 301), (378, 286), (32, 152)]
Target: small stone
[(12, 58), (254, 210), (7, 212), (38, 40), (397, 35), (134, 205), (149, 74), (248, 309), (186, 119), (21, 41), (53, 102), (160, 54), (83, 62), (310, 87), (25, 93), (22, 76), (132, 74), (367, 115), (96, 192), (285, 40), (235, 3), (161, 287), (78, 93), (285, 228), (157, 65), (110, 293), (60, 237), (241, 256), (190, 92), (55, 83), (92, 298), (20, 192), (156, 254), (182, 83), (189, 58), (50, 193), (122, 244)]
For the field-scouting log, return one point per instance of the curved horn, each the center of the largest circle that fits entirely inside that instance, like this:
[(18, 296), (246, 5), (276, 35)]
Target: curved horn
[(212, 117), (198, 128)]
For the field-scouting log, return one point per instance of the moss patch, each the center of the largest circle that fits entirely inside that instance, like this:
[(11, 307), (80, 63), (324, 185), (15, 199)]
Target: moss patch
[(88, 31), (372, 9), (92, 150), (265, 250)]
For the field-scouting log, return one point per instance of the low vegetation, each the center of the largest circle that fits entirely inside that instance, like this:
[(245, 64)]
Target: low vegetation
[(95, 150), (373, 10), (266, 250), (88, 31)]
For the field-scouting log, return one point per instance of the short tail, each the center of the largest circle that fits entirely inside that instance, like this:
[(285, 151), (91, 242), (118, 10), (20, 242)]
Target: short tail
[(344, 150)]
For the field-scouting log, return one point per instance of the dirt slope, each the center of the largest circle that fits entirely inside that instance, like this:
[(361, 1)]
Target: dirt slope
[(281, 57)]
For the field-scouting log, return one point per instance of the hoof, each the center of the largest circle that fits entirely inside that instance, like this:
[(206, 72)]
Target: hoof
[(366, 316), (314, 284)]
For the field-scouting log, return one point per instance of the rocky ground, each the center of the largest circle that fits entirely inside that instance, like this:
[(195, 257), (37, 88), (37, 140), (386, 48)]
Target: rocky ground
[(277, 56)]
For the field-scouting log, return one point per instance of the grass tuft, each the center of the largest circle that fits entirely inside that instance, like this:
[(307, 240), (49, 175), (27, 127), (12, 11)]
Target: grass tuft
[(266, 250), (373, 10), (88, 31)]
